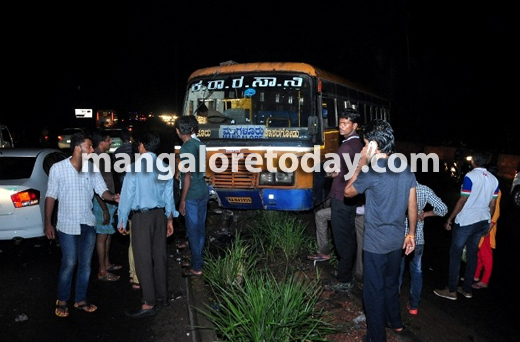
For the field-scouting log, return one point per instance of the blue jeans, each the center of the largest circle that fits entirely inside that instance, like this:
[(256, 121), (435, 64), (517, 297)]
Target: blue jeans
[(196, 210), (416, 279), (77, 251), (468, 236), (381, 293)]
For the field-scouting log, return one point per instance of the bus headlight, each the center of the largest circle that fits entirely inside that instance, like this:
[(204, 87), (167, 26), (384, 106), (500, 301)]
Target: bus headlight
[(277, 178)]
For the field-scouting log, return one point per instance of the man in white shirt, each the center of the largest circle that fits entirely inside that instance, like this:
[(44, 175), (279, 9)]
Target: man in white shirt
[(74, 190), (470, 220)]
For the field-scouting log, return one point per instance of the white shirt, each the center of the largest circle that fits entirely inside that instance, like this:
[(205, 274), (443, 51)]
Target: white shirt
[(74, 191), (481, 187)]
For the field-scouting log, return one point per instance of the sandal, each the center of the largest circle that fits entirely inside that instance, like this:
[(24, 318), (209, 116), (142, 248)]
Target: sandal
[(109, 277), (114, 267), (185, 263), (86, 306), (479, 285), (191, 273), (318, 257), (182, 245), (62, 310)]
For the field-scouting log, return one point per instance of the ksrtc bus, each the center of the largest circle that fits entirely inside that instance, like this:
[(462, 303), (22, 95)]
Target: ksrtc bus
[(272, 108)]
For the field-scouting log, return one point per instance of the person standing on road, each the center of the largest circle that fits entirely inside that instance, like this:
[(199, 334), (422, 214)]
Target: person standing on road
[(147, 193), (127, 150), (425, 195), (104, 210), (194, 194), (74, 190), (343, 215), (389, 195), (472, 215), (486, 245)]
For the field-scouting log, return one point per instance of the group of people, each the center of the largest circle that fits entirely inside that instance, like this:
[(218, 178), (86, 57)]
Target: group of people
[(390, 231), (373, 238), (88, 202)]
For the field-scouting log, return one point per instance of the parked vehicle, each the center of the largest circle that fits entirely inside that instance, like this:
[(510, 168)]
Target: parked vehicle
[(6, 140), (24, 174), (515, 190), (66, 134)]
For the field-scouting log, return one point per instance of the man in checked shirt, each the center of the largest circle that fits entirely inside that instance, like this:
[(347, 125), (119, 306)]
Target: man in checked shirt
[(74, 189), (425, 196)]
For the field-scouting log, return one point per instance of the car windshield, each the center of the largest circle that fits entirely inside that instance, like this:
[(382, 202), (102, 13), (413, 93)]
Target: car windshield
[(16, 167)]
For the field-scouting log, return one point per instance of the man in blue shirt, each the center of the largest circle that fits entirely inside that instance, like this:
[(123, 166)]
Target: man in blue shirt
[(389, 194), (148, 195)]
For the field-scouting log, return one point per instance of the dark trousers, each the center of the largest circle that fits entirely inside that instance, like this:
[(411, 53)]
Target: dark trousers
[(343, 222), (381, 293), (150, 256)]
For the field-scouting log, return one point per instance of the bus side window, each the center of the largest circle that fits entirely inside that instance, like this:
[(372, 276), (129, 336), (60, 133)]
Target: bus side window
[(328, 112)]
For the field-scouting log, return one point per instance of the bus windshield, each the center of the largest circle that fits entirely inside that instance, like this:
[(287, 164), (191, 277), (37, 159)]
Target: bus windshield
[(225, 105)]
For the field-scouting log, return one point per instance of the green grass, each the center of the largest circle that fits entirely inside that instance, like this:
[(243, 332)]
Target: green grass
[(229, 267), (278, 231), (265, 309)]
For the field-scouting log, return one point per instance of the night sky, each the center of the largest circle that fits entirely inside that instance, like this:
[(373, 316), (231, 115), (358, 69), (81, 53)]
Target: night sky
[(447, 68)]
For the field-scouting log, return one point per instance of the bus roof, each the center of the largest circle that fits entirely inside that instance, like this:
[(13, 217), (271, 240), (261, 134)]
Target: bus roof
[(305, 68)]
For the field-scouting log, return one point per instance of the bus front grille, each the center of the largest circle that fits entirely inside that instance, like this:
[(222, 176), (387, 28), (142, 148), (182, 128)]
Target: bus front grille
[(240, 179)]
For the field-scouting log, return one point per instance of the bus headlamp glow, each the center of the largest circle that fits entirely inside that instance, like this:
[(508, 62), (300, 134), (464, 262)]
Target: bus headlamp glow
[(277, 178)]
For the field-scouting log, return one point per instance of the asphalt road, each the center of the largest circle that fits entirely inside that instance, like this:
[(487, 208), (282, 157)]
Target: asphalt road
[(28, 287)]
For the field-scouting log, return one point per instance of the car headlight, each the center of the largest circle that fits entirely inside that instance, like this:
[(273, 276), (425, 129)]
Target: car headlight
[(277, 178)]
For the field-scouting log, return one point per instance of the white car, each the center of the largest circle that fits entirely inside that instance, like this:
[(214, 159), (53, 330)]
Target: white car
[(515, 190), (23, 184), (66, 134)]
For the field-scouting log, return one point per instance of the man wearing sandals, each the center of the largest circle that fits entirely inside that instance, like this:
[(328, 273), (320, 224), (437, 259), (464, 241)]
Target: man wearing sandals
[(74, 190), (390, 194), (194, 194), (148, 193)]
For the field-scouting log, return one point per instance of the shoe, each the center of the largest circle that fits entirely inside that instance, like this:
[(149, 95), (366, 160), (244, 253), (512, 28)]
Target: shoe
[(191, 273), (140, 312), (136, 286), (114, 267), (464, 293), (342, 287), (412, 311), (86, 306), (479, 285), (109, 277), (318, 257), (62, 310), (446, 293)]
